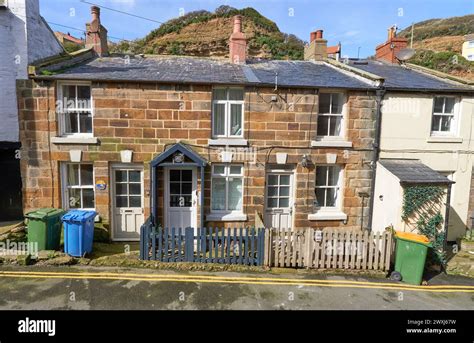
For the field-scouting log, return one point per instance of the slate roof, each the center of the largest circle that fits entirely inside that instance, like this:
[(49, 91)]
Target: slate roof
[(402, 78), (180, 69), (413, 171)]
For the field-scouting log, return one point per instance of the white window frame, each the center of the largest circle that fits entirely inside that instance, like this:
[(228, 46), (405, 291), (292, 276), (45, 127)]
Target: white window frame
[(226, 175), (454, 123), (65, 186), (62, 112), (343, 116), (227, 115), (339, 187)]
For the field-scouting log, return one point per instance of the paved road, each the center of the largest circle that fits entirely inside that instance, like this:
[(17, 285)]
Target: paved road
[(84, 289)]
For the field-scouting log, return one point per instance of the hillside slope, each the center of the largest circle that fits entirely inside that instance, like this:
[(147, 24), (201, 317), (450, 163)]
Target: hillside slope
[(203, 33), (438, 44)]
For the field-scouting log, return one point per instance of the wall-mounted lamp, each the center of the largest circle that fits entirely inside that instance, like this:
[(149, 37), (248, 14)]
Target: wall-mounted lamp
[(305, 161)]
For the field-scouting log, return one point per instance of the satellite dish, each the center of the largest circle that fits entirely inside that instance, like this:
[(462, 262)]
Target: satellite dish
[(405, 54)]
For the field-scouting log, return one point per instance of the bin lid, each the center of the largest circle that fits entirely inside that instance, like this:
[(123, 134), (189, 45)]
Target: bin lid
[(43, 213), (78, 215), (413, 237)]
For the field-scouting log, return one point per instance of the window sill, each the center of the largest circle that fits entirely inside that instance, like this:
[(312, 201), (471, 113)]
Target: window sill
[(327, 215), (227, 217), (74, 140), (228, 142), (327, 143), (444, 139)]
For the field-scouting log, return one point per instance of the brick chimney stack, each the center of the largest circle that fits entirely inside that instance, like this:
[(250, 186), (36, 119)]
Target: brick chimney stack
[(96, 34), (317, 49), (237, 42), (388, 50)]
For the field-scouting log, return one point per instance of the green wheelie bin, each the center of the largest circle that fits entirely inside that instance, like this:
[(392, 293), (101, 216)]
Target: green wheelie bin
[(410, 257), (44, 228)]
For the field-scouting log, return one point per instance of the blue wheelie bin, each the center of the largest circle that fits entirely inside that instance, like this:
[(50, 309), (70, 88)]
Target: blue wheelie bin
[(78, 232)]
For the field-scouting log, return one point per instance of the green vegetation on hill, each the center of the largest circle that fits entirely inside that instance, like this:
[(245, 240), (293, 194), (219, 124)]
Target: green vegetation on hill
[(454, 26), (268, 40)]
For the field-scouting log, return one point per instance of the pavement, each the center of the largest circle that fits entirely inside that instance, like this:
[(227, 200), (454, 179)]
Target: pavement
[(87, 288)]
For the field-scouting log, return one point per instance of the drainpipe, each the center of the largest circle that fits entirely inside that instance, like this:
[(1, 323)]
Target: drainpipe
[(376, 151)]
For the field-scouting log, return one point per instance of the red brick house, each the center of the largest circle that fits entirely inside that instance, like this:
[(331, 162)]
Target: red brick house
[(197, 141)]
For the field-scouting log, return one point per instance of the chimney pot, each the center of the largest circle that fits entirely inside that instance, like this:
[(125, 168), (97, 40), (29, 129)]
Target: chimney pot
[(317, 49), (96, 34), (388, 50), (237, 42)]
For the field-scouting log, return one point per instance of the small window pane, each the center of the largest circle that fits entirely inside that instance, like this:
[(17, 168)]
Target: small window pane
[(438, 105), (87, 175), (175, 175), (324, 102), (284, 202), (74, 200), (88, 198), (235, 194), (219, 170), (235, 170), (84, 96), (175, 188), (273, 179), (187, 175), (236, 119), (321, 178), (336, 107), (236, 94), (285, 180), (219, 119), (323, 124), (134, 176), (333, 177), (272, 191), (449, 105), (69, 95), (85, 122), (272, 202), (331, 197), (135, 188), (284, 191), (218, 194), (435, 126), (135, 201), (73, 175), (446, 123), (121, 176), (121, 201), (121, 188), (186, 188), (335, 125), (320, 197), (219, 94), (70, 123)]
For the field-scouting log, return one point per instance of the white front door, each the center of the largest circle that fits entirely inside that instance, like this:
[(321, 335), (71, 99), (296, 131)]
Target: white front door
[(279, 200), (127, 208), (180, 198)]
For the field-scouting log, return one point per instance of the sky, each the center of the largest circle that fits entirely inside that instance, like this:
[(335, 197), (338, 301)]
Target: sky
[(359, 25)]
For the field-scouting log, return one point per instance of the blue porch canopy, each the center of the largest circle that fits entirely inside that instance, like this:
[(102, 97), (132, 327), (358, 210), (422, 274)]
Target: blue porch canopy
[(178, 155)]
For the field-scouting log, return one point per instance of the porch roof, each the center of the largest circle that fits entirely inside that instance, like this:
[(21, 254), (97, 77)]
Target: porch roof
[(179, 148), (414, 172)]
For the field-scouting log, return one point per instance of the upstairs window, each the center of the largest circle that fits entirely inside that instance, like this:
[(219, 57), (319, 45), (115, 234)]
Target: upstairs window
[(328, 189), (74, 107), (330, 115), (444, 116), (227, 112)]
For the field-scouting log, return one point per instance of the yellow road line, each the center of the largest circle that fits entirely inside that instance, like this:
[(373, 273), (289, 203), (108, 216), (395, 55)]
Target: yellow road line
[(206, 277), (171, 278)]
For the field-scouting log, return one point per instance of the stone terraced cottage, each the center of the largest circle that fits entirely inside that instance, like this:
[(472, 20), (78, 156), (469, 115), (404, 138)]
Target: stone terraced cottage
[(196, 141)]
